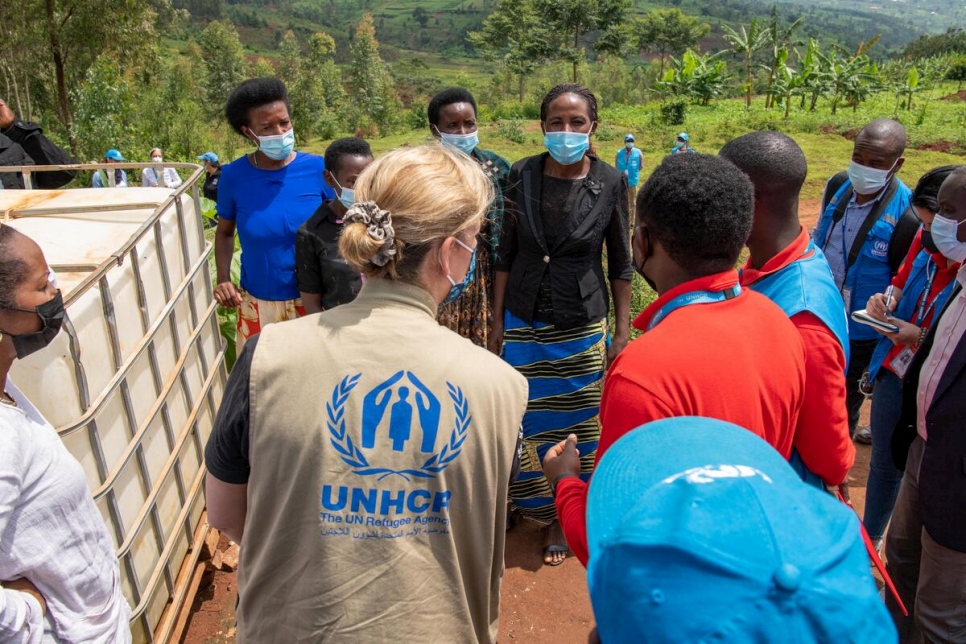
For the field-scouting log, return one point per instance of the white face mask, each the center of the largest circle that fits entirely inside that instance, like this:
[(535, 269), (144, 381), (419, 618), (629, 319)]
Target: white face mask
[(156, 159), (866, 180), (945, 235)]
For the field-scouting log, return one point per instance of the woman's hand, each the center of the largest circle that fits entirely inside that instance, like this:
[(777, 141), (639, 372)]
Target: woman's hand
[(24, 586), (876, 308), (907, 335), (494, 340), (617, 344), (228, 295)]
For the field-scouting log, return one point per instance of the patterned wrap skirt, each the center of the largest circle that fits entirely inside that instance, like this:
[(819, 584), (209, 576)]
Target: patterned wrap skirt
[(253, 314), (565, 370)]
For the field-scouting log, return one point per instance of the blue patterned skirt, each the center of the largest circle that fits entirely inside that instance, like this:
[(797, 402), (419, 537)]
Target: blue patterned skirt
[(565, 370)]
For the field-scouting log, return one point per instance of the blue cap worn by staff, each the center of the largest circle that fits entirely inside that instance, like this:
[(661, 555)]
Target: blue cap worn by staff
[(699, 531), (210, 157), (683, 136), (113, 155)]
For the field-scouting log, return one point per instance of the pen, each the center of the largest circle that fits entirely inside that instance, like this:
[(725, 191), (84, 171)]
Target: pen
[(888, 299)]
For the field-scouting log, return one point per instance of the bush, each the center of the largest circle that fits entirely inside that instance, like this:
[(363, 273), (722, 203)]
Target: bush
[(512, 131), (416, 119), (674, 113)]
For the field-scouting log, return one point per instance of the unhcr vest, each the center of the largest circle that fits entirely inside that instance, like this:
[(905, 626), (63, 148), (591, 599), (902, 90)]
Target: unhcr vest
[(871, 273), (909, 304), (381, 450), (807, 285)]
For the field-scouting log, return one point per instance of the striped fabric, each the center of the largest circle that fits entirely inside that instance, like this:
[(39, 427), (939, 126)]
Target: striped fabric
[(565, 371)]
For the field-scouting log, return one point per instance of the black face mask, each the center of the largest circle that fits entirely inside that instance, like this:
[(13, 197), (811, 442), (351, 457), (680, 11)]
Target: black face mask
[(640, 269), (928, 243), (52, 315)]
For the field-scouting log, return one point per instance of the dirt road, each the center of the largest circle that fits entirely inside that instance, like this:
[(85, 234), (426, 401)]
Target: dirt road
[(540, 605)]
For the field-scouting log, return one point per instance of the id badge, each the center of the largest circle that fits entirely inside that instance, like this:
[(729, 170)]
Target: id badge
[(900, 364), (847, 297)]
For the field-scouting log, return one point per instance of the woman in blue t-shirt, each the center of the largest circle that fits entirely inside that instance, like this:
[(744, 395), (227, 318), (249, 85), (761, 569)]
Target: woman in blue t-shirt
[(265, 195)]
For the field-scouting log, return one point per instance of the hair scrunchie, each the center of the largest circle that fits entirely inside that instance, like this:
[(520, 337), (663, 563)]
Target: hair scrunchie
[(378, 224)]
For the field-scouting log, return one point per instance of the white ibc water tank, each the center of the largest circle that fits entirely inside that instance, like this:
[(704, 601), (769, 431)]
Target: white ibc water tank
[(133, 381)]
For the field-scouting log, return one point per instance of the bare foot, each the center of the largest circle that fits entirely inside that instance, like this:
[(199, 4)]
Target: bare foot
[(555, 547)]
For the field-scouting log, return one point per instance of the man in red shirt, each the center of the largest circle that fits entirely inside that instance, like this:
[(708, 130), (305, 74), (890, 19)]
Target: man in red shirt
[(709, 348), (786, 267)]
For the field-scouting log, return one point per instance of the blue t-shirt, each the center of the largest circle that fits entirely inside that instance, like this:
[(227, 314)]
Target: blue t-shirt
[(268, 206)]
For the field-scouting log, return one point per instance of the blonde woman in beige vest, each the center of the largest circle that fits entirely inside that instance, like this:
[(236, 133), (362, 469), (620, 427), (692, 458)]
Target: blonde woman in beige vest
[(362, 455)]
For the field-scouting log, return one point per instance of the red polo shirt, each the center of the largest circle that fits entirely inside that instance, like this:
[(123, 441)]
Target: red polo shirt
[(738, 360), (822, 435)]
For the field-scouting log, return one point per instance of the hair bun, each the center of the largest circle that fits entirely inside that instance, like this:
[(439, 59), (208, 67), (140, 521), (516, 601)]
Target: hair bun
[(378, 223)]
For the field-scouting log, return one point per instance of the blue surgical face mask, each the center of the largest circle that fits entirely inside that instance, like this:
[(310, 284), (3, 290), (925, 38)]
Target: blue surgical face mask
[(347, 196), (567, 148), (456, 290), (945, 234), (678, 145), (866, 180), (465, 143), (277, 146)]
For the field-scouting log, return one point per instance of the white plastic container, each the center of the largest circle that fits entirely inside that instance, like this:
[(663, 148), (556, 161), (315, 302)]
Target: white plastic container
[(134, 379)]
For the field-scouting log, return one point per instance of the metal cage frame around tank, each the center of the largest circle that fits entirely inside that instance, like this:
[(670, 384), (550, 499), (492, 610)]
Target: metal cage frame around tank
[(188, 491)]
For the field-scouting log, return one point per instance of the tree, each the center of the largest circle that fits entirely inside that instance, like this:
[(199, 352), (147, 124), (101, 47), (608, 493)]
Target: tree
[(957, 71), (696, 76), (224, 63), (668, 32), (515, 35), (289, 60), (573, 20), (780, 40), (369, 81), (747, 44), (58, 41)]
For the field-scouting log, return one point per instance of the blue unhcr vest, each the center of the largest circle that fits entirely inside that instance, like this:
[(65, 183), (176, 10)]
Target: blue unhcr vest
[(871, 273), (807, 285), (909, 305)]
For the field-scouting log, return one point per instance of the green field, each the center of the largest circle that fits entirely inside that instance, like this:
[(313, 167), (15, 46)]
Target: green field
[(824, 138)]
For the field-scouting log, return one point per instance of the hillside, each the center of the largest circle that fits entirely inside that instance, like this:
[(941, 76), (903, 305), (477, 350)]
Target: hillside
[(439, 27)]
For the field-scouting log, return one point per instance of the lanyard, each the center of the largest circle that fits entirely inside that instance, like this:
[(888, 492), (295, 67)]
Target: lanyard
[(925, 306), (695, 297)]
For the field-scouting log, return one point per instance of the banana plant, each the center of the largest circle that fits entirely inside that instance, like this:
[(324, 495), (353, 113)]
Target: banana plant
[(747, 44)]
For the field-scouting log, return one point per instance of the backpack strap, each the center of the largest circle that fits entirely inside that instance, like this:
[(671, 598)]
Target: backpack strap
[(832, 187), (902, 236), (870, 220)]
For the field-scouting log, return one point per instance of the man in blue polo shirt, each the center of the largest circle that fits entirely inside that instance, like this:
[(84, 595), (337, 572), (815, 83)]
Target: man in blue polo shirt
[(865, 230), (630, 162)]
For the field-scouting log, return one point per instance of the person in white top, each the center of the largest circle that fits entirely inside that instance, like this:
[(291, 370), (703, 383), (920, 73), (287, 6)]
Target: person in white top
[(59, 575), (167, 178)]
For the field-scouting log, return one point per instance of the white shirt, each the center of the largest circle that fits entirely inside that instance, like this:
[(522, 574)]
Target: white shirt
[(150, 178), (52, 534), (949, 333)]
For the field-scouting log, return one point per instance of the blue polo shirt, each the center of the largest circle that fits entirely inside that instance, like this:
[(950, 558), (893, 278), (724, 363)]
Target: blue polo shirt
[(268, 206)]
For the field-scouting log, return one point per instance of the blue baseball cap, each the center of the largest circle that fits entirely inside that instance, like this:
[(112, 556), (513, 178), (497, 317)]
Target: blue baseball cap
[(628, 137), (210, 157), (699, 531), (113, 155), (683, 136)]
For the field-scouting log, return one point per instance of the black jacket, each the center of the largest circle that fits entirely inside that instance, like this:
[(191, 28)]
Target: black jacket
[(24, 143), (942, 475), (210, 189), (578, 288)]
